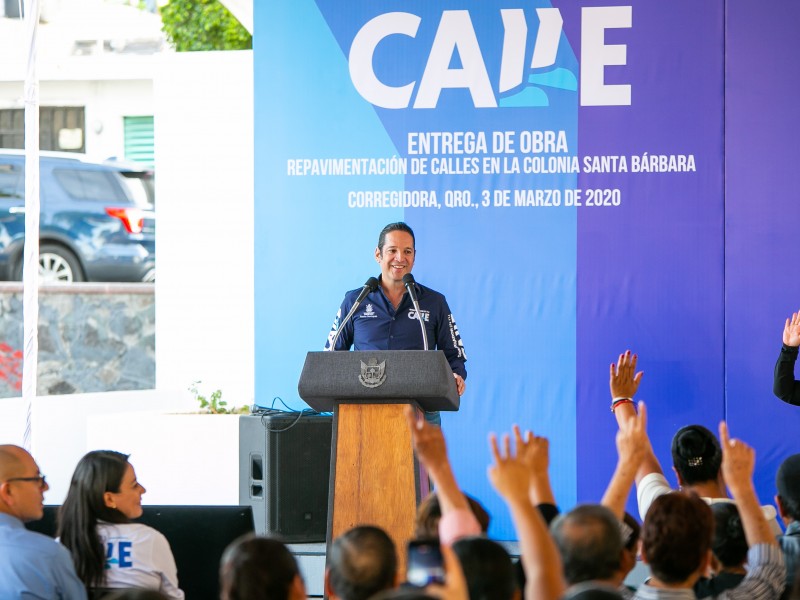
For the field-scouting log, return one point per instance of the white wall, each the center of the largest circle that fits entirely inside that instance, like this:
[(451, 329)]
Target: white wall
[(106, 104), (204, 235), (60, 427)]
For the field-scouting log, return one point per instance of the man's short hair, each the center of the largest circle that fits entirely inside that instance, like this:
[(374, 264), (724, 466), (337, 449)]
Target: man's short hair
[(257, 568), (399, 226), (787, 482), (589, 540), (696, 454), (487, 568), (676, 535), (363, 561), (429, 513)]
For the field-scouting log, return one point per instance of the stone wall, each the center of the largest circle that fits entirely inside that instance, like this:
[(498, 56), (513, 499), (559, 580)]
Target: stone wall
[(92, 338)]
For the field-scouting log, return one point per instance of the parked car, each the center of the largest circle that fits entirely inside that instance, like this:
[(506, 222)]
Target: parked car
[(93, 227)]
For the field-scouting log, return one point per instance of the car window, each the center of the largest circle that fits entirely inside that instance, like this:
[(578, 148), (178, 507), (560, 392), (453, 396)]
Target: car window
[(98, 186), (11, 182)]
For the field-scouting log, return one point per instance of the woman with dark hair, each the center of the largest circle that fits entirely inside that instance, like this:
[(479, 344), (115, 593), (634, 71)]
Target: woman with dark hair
[(259, 568), (729, 552), (94, 523)]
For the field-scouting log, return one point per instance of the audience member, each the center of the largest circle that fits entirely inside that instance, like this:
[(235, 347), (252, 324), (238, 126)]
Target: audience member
[(784, 385), (259, 568), (429, 514), (787, 482), (728, 552), (487, 568), (32, 565), (94, 523), (362, 562), (695, 450), (676, 537), (589, 540), (510, 476), (457, 519)]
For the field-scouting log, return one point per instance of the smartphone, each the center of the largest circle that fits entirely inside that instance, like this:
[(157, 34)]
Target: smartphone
[(425, 564)]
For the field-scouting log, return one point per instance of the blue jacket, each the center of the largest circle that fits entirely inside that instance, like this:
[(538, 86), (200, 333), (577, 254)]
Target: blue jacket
[(376, 325)]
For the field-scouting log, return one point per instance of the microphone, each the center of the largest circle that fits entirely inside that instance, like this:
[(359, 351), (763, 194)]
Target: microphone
[(370, 286), (408, 281)]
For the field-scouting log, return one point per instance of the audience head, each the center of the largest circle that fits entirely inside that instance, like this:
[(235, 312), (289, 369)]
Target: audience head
[(103, 488), (488, 569), (429, 514), (696, 455), (362, 562), (630, 546), (589, 540), (787, 483), (676, 536), (259, 568), (22, 487), (729, 544)]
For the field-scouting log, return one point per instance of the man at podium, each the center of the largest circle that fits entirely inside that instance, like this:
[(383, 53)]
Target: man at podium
[(386, 318)]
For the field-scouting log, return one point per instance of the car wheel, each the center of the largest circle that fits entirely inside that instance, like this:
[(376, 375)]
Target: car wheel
[(56, 265)]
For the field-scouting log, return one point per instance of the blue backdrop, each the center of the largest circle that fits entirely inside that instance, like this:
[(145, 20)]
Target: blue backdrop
[(627, 194)]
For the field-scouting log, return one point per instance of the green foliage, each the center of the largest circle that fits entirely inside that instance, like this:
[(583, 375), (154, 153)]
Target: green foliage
[(214, 405), (192, 25)]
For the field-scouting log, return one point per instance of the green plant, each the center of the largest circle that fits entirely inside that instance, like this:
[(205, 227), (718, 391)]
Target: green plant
[(194, 25), (213, 405)]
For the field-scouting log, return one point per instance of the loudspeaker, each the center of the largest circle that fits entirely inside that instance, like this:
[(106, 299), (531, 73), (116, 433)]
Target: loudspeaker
[(284, 472)]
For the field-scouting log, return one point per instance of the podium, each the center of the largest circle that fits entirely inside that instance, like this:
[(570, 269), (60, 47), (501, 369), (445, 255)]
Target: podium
[(374, 477)]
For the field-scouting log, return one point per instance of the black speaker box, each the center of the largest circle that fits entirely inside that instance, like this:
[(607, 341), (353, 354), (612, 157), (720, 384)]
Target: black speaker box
[(284, 472)]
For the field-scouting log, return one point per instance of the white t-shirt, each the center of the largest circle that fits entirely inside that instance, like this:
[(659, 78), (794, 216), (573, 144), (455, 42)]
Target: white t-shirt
[(138, 556), (654, 485)]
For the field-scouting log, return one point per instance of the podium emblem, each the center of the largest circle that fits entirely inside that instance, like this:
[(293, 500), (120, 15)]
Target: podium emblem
[(373, 373)]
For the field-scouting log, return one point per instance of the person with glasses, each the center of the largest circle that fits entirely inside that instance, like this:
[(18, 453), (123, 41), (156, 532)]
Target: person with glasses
[(32, 565), (94, 523)]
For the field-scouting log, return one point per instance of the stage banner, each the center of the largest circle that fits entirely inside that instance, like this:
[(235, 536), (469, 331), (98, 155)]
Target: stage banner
[(562, 167), (761, 200)]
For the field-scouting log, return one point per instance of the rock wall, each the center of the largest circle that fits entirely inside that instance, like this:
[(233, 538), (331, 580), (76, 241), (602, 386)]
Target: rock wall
[(92, 338)]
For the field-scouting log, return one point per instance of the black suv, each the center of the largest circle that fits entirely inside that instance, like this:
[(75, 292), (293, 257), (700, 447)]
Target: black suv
[(96, 219)]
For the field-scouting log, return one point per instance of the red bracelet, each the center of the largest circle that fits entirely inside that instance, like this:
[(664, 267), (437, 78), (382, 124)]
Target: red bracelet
[(616, 403)]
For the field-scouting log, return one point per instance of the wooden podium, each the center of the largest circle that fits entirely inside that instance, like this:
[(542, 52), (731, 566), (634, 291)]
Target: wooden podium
[(374, 477)]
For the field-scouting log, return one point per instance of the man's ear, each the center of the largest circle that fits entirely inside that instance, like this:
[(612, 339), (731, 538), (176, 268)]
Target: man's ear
[(5, 495), (377, 254), (327, 584)]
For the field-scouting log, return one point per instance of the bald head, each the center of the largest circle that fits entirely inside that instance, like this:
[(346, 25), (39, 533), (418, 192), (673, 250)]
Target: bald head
[(21, 494), (12, 461)]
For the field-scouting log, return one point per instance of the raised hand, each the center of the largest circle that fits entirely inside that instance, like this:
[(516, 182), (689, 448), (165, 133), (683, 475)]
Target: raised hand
[(738, 460), (533, 450), (624, 380), (791, 331), (509, 475), (428, 441)]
